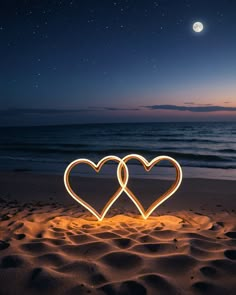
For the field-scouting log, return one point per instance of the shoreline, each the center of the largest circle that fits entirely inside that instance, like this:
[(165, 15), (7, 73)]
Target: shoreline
[(194, 193), (158, 172)]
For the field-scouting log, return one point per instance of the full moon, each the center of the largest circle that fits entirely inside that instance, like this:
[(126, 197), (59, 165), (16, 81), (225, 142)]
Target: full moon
[(198, 27)]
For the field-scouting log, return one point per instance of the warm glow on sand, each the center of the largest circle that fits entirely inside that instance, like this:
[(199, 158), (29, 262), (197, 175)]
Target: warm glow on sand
[(172, 222), (123, 176)]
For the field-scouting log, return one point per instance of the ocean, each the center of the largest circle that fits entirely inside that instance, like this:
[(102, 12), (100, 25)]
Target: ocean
[(204, 150)]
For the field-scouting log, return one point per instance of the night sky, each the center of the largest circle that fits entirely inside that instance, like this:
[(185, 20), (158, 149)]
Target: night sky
[(117, 61)]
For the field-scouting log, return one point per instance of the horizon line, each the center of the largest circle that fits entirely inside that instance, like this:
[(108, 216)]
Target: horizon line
[(115, 123)]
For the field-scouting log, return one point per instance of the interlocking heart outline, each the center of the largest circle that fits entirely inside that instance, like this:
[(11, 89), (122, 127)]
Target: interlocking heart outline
[(123, 177)]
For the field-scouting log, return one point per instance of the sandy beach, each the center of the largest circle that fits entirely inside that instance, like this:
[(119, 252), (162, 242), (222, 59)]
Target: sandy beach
[(49, 244)]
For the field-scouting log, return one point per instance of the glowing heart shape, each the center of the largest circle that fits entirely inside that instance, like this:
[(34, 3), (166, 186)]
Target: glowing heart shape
[(97, 168), (148, 166)]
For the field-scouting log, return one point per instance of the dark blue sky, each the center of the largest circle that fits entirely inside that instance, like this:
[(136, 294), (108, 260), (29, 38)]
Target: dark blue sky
[(109, 61)]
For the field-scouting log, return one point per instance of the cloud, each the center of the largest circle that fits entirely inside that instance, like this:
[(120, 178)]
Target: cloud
[(205, 104), (114, 109), (25, 111), (121, 109), (195, 109), (190, 103), (198, 104), (41, 111)]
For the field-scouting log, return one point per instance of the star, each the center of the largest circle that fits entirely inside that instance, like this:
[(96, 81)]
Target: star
[(156, 4)]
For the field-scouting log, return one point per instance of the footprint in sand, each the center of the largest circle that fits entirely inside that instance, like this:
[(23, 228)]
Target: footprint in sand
[(122, 260), (231, 254), (3, 245)]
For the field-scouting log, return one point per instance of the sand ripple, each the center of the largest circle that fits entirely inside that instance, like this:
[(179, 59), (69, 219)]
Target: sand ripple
[(49, 249)]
